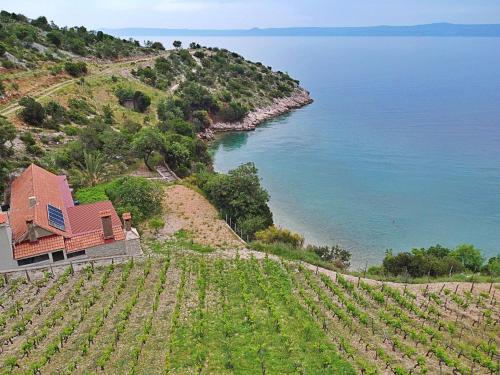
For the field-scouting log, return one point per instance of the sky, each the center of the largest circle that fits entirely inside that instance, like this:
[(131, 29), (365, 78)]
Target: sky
[(227, 14)]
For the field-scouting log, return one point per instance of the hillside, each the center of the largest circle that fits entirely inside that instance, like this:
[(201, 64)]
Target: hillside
[(182, 312), (70, 92)]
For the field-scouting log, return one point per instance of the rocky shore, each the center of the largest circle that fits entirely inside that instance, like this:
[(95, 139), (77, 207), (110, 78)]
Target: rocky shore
[(299, 98)]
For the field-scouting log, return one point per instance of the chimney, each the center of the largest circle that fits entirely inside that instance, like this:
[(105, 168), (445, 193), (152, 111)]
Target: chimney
[(32, 201), (127, 221), (107, 226), (31, 229)]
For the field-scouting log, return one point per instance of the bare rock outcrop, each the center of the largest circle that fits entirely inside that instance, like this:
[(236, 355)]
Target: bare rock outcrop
[(299, 98)]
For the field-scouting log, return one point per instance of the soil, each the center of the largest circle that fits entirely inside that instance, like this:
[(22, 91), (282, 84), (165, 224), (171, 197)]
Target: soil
[(188, 210)]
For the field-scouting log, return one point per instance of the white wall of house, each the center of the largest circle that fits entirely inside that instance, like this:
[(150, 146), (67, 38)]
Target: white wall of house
[(7, 261)]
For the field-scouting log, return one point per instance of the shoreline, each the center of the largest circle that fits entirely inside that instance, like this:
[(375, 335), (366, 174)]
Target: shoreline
[(299, 98)]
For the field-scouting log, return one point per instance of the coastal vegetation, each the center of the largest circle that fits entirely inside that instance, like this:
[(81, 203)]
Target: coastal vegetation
[(437, 262)]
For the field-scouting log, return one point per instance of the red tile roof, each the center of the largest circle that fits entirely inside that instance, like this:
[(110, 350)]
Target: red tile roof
[(44, 245), (83, 224), (92, 239), (3, 218), (87, 217), (47, 188)]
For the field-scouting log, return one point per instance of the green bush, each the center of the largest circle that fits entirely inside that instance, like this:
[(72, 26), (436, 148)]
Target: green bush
[(231, 112), (76, 69), (139, 196), (435, 261), (274, 234), (70, 130), (335, 254), (32, 112), (93, 194)]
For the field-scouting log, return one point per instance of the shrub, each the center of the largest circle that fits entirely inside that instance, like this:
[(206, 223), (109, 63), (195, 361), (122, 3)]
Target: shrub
[(182, 127), (56, 112), (141, 101), (76, 69), (230, 112), (140, 196), (434, 261), (70, 130), (492, 268), (335, 254), (274, 234), (93, 194), (156, 224), (158, 46), (33, 112)]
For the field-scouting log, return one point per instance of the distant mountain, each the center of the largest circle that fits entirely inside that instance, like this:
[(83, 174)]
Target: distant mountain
[(434, 30)]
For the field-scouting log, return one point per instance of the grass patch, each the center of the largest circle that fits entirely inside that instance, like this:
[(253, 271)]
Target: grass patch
[(289, 252), (182, 241), (93, 194)]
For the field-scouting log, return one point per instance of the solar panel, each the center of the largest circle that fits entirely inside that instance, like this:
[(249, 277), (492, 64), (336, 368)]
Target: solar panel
[(56, 218)]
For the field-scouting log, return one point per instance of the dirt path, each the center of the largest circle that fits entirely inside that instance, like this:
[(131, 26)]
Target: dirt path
[(190, 211), (46, 91)]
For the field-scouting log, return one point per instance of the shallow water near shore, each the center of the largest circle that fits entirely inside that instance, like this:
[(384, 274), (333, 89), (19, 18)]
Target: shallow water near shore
[(400, 149)]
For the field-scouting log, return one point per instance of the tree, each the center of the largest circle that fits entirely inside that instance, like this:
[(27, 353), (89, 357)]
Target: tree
[(177, 153), (469, 257), (493, 266), (147, 141), (93, 169), (138, 195), (158, 46), (41, 22), (141, 101), (239, 195), (177, 44), (76, 69), (33, 112), (55, 37)]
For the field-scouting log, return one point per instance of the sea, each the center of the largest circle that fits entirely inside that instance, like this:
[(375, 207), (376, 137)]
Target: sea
[(400, 149)]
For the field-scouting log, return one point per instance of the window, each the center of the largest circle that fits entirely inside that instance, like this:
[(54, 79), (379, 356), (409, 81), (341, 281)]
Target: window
[(57, 256), (37, 259), (75, 254)]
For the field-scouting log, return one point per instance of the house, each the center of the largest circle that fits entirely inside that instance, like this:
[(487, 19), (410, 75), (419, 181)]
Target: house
[(44, 225)]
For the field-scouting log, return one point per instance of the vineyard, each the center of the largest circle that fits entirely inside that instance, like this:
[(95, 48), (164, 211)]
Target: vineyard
[(191, 313)]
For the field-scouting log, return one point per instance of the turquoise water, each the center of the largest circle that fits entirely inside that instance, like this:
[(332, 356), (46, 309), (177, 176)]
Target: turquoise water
[(400, 149)]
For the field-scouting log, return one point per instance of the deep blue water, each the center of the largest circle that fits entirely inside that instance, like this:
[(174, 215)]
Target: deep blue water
[(400, 149)]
